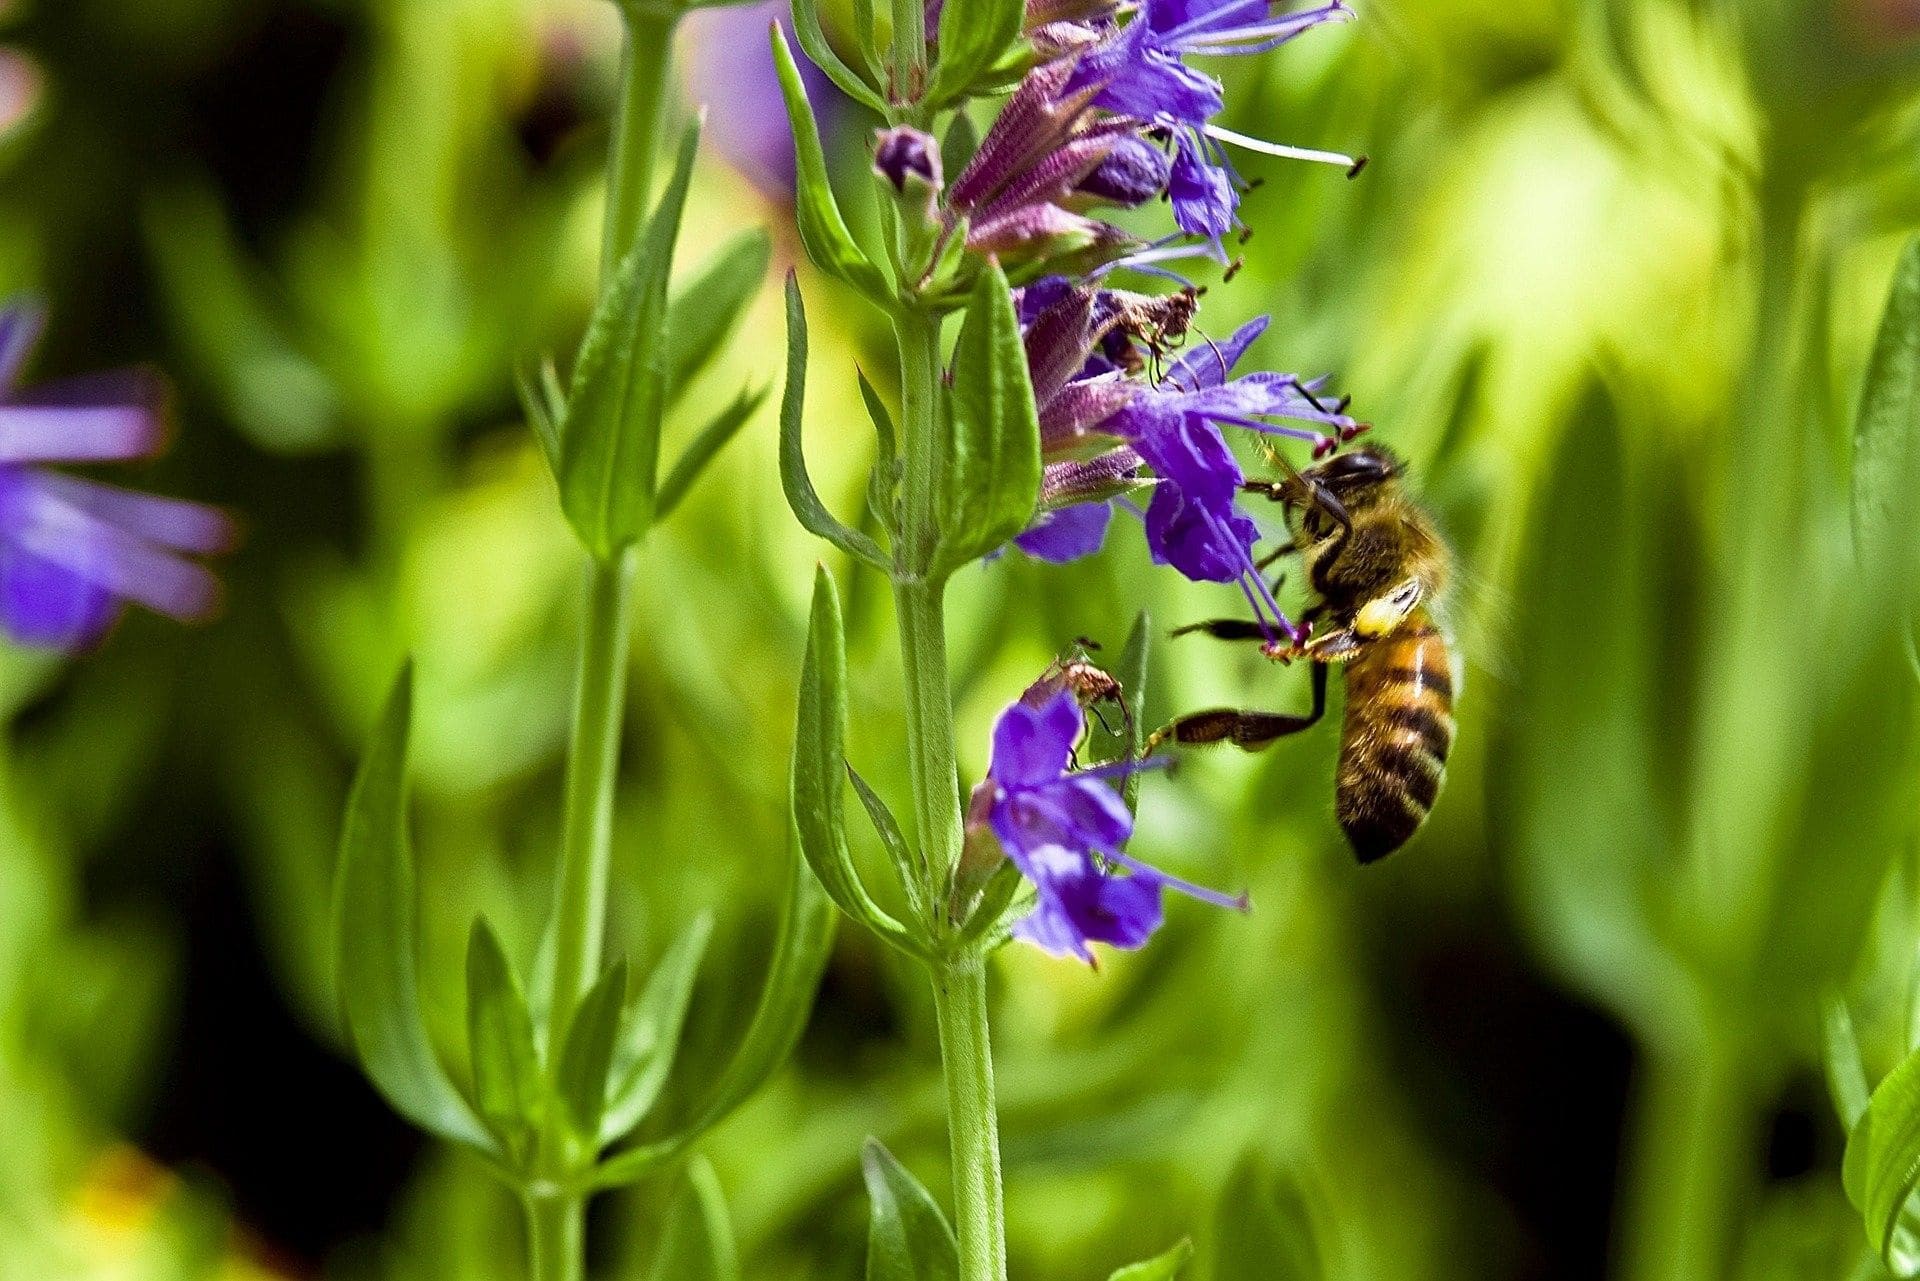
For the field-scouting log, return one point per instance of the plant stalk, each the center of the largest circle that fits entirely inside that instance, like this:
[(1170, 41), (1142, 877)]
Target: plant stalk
[(556, 1236), (960, 979), (593, 762), (920, 609), (638, 124), (1693, 1160), (973, 1128), (909, 52)]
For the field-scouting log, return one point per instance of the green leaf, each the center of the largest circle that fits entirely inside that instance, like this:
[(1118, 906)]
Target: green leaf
[(610, 441), (1846, 1075), (990, 483), (801, 495), (1882, 1160), (974, 35), (1162, 1267), (544, 412), (1263, 1230), (829, 245), (888, 828), (813, 39), (883, 486), (996, 896), (587, 1058), (650, 1038), (820, 769), (507, 1081), (376, 937), (697, 1242), (786, 998), (706, 310), (1886, 445), (1132, 675), (908, 1238), (700, 451)]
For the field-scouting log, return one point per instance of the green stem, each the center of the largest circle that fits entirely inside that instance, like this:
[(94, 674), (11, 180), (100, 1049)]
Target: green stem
[(1695, 1150), (973, 1130), (593, 761), (959, 980), (909, 51), (920, 608), (556, 1237), (645, 58)]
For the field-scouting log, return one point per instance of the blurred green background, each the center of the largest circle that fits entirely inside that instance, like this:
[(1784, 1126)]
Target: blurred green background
[(1610, 284)]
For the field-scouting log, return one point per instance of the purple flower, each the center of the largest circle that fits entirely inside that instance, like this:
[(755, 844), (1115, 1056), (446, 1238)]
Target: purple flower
[(1063, 828), (1193, 521), (73, 551), (1140, 72)]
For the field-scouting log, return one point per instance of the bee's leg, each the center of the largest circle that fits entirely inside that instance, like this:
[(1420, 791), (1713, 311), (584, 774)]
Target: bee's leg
[(1227, 629), (1285, 549), (1243, 629), (1248, 730)]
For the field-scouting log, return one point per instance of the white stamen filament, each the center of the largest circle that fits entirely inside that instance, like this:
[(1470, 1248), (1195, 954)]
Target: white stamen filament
[(1281, 149)]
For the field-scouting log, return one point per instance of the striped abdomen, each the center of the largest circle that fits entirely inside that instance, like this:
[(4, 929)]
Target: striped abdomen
[(1394, 744)]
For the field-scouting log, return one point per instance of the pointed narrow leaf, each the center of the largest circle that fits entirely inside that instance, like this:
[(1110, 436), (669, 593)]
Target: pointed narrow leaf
[(830, 246), (908, 1238), (786, 998), (507, 1079), (1882, 1160), (820, 766), (650, 1038), (610, 441), (996, 896), (899, 849), (542, 414), (974, 35), (801, 495), (701, 450), (1132, 676), (587, 1057), (1162, 1267), (697, 1242), (884, 485), (706, 310), (376, 939), (991, 483), (1846, 1076), (813, 40), (1886, 444)]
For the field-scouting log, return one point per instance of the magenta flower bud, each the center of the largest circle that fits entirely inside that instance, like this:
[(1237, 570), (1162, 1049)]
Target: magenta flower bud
[(904, 155)]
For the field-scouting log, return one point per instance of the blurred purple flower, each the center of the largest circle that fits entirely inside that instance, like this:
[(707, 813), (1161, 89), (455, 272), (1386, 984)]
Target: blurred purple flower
[(1063, 828), (726, 67), (73, 551)]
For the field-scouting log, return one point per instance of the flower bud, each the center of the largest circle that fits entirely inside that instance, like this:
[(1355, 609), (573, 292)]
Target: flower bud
[(907, 160)]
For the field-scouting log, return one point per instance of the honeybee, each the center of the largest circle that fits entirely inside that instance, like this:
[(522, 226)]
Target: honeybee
[(1378, 566)]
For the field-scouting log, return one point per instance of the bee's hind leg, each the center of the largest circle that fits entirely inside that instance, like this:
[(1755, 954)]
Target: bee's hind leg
[(1248, 730)]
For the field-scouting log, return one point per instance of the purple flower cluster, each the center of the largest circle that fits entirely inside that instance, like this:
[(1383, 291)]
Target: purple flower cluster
[(1065, 829), (73, 551), (1107, 433), (1114, 115)]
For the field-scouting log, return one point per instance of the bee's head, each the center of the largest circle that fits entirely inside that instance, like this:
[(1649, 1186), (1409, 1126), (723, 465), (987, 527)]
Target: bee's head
[(1356, 476)]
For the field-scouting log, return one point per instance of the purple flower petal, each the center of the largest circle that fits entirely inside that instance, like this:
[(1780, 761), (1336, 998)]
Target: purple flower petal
[(1209, 364), (1068, 533), (1032, 745), (168, 522), (36, 520), (1205, 201), (48, 433), (43, 604)]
